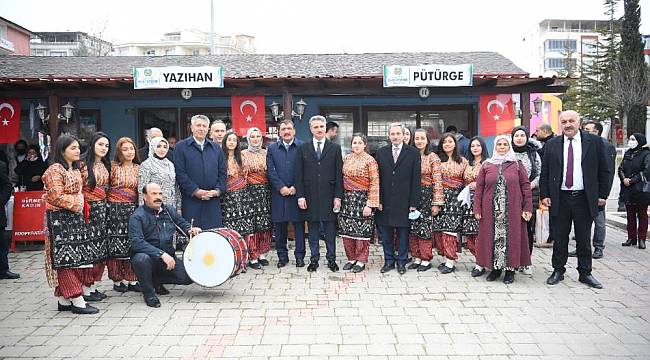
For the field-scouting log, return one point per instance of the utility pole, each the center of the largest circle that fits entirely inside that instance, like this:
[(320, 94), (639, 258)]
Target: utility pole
[(212, 47)]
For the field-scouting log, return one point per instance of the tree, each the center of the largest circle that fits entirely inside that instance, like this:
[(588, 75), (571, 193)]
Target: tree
[(629, 86)]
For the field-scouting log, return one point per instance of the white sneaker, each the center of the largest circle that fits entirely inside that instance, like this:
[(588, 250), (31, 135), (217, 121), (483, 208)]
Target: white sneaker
[(528, 270)]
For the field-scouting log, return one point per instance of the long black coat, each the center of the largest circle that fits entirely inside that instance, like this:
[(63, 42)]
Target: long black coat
[(5, 193), (635, 166), (595, 171), (399, 185), (319, 181)]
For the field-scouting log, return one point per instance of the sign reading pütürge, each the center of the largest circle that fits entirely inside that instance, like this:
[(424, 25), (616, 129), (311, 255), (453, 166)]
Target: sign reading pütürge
[(428, 75)]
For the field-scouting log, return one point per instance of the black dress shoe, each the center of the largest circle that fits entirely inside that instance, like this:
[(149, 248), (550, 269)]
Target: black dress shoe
[(447, 270), (476, 272), (333, 266), (422, 268), (413, 266), (300, 263), (573, 253), (358, 268), (348, 266), (135, 288), (387, 267), (101, 295), (493, 275), (8, 274), (92, 297), (598, 253), (264, 262), (642, 244), (401, 269), (255, 265), (282, 264), (509, 277), (152, 301), (84, 310), (63, 307), (629, 242), (555, 278), (441, 265), (121, 287), (590, 280), (312, 266), (161, 290)]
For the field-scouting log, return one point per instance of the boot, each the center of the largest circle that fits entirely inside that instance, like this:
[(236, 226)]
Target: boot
[(641, 244), (629, 242)]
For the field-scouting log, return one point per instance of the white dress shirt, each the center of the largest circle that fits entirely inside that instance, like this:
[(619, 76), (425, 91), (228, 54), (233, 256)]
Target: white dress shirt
[(201, 143), (322, 144), (578, 183), (399, 149)]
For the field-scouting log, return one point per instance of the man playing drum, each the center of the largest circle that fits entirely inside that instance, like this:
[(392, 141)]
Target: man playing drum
[(151, 229)]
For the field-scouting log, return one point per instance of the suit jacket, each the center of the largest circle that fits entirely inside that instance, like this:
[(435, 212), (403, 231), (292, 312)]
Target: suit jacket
[(5, 193), (399, 185), (280, 164), (319, 181), (595, 171)]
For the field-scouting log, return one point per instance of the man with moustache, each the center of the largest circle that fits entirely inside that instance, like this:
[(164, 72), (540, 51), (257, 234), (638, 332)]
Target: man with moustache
[(151, 230)]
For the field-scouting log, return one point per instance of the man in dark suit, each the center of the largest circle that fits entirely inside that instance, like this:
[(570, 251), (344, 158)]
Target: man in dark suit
[(280, 162), (5, 194), (319, 188), (573, 183), (399, 194), (600, 222)]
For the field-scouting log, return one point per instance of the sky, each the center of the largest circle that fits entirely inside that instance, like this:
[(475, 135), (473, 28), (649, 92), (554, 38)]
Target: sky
[(329, 26)]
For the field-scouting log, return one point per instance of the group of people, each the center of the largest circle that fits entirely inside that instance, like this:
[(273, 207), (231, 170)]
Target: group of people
[(127, 215)]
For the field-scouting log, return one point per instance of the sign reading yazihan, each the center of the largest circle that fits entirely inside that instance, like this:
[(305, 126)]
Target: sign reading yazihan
[(428, 75), (178, 77)]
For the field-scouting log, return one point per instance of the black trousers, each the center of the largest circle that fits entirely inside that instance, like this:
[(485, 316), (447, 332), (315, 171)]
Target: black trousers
[(281, 240), (152, 272), (4, 250), (330, 240), (572, 209)]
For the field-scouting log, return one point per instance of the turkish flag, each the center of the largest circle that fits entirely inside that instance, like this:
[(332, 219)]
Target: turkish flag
[(497, 114), (248, 112), (9, 120)]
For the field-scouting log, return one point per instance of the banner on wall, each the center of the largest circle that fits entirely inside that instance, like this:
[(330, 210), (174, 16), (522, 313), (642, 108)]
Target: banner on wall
[(497, 114), (428, 75), (178, 77), (248, 112), (9, 120)]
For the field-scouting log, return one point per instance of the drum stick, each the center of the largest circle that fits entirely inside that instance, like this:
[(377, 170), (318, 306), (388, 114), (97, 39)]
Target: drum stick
[(189, 242)]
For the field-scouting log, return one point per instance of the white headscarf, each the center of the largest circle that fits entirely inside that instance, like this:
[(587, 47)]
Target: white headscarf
[(252, 148), (497, 159), (159, 164)]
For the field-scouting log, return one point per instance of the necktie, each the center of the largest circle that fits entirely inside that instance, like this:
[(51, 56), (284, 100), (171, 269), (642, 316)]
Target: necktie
[(318, 151), (569, 166), (395, 153)]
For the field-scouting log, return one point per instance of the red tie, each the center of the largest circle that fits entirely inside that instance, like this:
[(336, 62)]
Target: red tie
[(569, 166)]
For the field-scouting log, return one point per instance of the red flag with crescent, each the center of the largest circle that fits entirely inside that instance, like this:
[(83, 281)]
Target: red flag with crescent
[(497, 114), (9, 120), (248, 112)]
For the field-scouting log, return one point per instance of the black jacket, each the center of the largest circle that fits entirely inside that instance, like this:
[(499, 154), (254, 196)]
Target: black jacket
[(634, 164), (28, 169), (319, 181), (399, 185), (595, 172), (151, 232), (5, 193)]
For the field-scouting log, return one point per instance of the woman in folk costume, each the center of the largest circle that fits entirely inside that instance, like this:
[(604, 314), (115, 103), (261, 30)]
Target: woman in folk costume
[(476, 154), (122, 199), (356, 222), (259, 190), (236, 207), (160, 170), (95, 172), (447, 225), (503, 204), (68, 243), (421, 236)]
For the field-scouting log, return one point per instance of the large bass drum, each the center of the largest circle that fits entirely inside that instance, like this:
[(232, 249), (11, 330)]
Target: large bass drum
[(214, 256)]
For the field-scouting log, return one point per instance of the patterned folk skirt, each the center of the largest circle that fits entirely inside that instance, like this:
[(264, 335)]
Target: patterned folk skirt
[(119, 245), (449, 219), (97, 229), (470, 224), (70, 245), (237, 211), (352, 224), (260, 196), (422, 226)]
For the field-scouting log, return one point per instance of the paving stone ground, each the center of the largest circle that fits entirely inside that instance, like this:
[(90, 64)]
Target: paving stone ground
[(292, 314)]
